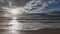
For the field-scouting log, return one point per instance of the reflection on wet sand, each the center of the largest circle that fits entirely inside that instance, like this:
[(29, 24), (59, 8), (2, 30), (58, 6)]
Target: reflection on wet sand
[(42, 31)]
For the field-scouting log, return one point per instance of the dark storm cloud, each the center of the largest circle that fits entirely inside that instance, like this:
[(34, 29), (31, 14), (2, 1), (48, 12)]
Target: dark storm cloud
[(14, 2), (21, 2)]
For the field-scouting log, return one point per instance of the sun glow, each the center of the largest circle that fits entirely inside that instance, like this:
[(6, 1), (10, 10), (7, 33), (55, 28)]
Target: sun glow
[(14, 11), (13, 14)]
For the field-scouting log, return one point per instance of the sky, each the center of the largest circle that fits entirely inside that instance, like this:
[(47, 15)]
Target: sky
[(35, 5), (41, 5), (54, 5), (50, 3)]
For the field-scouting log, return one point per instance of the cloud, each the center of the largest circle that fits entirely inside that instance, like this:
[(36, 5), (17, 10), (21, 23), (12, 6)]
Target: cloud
[(38, 5)]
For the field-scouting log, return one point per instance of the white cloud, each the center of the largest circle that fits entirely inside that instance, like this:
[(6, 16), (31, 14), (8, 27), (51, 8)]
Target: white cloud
[(51, 1), (42, 4)]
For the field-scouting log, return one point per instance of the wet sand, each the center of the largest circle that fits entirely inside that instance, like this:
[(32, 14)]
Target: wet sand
[(43, 31)]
